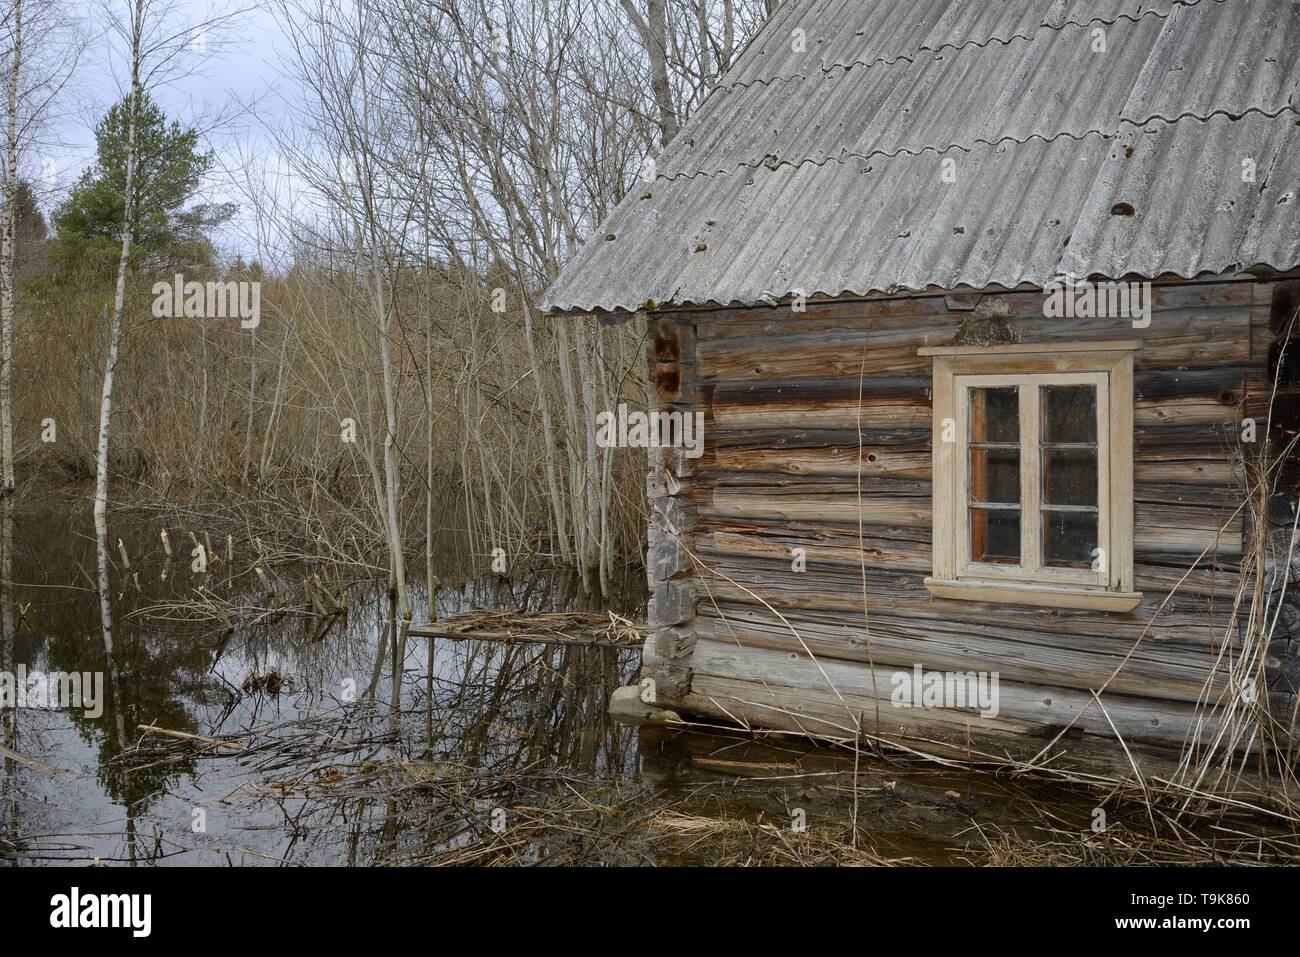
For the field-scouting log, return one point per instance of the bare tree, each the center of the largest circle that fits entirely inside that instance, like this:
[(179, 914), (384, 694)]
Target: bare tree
[(40, 56), (136, 41), (653, 30), (8, 217), (153, 40), (339, 55), (441, 160)]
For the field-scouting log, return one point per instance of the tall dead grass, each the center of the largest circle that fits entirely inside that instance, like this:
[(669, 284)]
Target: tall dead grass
[(210, 414)]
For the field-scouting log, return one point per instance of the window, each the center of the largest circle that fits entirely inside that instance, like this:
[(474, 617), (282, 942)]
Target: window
[(1033, 474)]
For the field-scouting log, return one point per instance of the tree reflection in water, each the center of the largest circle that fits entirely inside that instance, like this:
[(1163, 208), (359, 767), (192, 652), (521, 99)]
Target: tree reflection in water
[(269, 752)]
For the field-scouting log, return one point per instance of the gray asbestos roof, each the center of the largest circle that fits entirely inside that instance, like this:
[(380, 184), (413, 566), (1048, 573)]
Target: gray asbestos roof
[(933, 144)]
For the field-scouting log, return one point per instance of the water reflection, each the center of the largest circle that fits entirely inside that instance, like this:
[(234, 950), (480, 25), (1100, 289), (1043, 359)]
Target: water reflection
[(267, 749), (121, 795)]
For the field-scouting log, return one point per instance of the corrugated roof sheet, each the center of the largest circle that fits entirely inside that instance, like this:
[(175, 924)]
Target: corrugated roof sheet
[(979, 22), (1233, 57), (945, 143), (1222, 191)]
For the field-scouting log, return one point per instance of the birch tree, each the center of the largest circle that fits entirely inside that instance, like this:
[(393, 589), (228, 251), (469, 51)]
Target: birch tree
[(40, 52), (134, 35), (154, 40), (8, 217)]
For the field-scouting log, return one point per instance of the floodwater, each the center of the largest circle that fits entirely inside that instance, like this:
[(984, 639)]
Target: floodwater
[(504, 754)]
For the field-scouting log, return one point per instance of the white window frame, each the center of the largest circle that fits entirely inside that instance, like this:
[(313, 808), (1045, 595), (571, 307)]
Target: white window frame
[(957, 369)]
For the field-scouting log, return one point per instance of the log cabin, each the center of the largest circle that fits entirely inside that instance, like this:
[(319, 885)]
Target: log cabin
[(985, 307)]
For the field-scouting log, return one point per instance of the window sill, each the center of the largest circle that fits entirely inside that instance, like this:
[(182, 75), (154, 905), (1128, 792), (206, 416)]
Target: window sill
[(1025, 593)]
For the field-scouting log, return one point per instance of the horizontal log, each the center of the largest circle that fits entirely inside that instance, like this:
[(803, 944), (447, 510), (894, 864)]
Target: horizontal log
[(879, 487), (1158, 529), (1237, 292), (1198, 454), (1221, 501), (911, 460), (761, 439), (1192, 454), (1185, 618), (1157, 438), (1209, 409), (1213, 473), (823, 316), (791, 505), (1215, 574), (906, 453), (1168, 530), (1190, 336), (1173, 672), (1152, 384), (817, 355), (888, 313), (844, 545), (843, 716), (863, 694), (823, 544), (883, 403), (990, 744), (838, 406)]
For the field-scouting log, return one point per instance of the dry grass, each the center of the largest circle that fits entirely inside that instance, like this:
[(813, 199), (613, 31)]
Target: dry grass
[(446, 812), (560, 628)]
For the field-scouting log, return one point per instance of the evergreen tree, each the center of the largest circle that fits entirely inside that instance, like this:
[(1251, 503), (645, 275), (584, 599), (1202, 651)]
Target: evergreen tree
[(167, 232)]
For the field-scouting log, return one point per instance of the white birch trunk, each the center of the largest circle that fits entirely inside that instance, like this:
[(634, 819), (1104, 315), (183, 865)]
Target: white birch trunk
[(115, 339), (8, 254)]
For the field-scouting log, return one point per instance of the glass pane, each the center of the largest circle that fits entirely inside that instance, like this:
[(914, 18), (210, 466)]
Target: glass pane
[(995, 415), (1069, 413), (995, 476), (1069, 538), (995, 535), (1070, 477)]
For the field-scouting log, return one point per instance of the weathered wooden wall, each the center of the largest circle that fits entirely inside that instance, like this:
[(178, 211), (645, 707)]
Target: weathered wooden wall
[(785, 396)]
